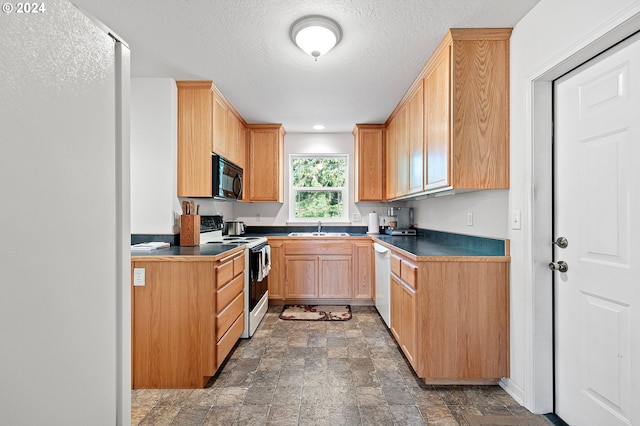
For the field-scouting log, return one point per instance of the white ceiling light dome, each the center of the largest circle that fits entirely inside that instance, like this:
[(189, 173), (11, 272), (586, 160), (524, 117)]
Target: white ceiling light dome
[(315, 34)]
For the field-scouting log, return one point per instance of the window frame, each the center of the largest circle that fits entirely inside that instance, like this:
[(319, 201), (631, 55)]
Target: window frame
[(345, 191)]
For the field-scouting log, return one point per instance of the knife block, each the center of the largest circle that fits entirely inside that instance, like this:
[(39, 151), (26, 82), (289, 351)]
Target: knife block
[(189, 230)]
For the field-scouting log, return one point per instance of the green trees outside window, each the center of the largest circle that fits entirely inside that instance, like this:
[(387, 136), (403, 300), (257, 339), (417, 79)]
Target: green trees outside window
[(319, 186)]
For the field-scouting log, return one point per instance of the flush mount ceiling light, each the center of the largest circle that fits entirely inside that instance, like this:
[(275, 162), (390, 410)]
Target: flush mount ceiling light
[(315, 34)]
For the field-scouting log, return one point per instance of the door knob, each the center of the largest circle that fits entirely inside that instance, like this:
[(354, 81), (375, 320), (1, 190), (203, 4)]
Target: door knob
[(560, 266), (561, 242)]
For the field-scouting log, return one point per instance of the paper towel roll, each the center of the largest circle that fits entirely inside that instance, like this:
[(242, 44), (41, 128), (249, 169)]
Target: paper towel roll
[(374, 228)]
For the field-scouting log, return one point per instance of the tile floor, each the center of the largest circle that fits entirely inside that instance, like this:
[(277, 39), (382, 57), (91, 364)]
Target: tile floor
[(325, 373)]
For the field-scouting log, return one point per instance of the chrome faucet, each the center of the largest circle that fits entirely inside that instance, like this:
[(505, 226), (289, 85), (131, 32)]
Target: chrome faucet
[(319, 226)]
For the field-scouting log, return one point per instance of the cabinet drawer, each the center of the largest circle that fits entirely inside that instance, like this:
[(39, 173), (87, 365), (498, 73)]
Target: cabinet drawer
[(229, 314), (229, 292), (409, 273), (395, 264), (226, 343), (238, 265), (229, 268), (318, 247)]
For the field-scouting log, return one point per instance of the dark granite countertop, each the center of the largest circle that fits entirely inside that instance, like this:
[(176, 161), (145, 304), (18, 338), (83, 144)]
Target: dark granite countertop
[(422, 246), (202, 250)]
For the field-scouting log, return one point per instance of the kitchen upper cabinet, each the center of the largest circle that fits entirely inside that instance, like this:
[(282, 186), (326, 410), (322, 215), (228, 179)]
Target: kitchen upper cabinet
[(266, 163), (391, 161), (437, 101), (206, 123), (415, 134), (220, 124), (478, 97), (369, 162), (451, 129), (195, 129), (402, 153)]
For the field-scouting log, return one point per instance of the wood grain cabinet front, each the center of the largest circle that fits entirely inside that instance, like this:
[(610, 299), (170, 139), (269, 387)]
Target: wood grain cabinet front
[(185, 319), (369, 162)]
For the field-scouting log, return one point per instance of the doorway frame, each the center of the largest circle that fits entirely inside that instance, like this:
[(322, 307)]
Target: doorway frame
[(540, 392)]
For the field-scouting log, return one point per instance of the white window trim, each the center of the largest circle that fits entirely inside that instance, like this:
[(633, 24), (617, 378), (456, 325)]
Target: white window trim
[(345, 192)]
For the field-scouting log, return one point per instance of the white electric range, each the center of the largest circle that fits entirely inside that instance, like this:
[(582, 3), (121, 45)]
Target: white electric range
[(256, 270)]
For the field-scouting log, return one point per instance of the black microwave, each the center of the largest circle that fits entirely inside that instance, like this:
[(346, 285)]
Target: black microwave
[(227, 179)]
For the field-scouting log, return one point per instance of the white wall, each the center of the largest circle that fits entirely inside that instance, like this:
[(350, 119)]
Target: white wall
[(554, 37), (306, 143), (154, 160), (450, 213)]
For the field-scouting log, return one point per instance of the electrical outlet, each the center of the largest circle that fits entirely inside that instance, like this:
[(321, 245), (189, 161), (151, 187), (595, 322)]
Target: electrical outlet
[(258, 217), (138, 277), (470, 219), (357, 217)]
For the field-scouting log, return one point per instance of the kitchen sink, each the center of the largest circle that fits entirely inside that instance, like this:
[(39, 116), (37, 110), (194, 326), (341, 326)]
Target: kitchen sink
[(318, 234)]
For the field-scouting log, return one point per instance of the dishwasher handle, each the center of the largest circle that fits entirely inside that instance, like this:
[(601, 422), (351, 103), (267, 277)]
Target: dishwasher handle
[(381, 249)]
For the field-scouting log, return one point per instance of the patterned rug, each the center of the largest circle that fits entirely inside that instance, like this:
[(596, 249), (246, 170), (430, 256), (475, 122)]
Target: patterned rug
[(316, 313)]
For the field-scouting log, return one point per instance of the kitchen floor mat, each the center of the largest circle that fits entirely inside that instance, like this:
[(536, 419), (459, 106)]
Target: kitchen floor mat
[(316, 313)]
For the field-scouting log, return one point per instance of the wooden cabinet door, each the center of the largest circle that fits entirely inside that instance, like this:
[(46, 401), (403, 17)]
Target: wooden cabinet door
[(363, 271), (402, 150), (335, 277), (231, 143), (369, 185), (194, 138), (242, 145), (408, 309), (396, 308), (266, 163), (415, 129), (276, 275), (437, 101), (392, 161), (301, 277), (219, 141)]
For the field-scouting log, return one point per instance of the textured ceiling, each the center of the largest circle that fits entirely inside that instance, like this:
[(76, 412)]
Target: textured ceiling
[(244, 47)]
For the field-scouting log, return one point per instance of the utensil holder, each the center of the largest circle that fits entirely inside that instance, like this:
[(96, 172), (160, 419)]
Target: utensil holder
[(190, 230)]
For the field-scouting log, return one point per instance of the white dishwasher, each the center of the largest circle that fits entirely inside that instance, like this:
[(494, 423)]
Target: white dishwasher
[(383, 283)]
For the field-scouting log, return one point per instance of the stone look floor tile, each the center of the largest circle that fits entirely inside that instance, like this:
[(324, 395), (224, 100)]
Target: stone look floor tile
[(323, 373)]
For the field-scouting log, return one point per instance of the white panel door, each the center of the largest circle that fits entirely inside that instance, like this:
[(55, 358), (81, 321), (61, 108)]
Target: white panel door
[(596, 208)]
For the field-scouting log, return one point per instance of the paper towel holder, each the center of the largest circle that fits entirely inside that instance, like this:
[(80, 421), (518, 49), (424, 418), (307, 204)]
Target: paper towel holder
[(374, 225)]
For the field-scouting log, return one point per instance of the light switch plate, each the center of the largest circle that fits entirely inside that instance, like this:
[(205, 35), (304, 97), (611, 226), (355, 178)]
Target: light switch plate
[(357, 217), (470, 219), (138, 277), (516, 219)]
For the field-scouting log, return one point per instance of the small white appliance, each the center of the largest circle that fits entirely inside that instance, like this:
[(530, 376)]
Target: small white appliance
[(257, 257), (383, 282)]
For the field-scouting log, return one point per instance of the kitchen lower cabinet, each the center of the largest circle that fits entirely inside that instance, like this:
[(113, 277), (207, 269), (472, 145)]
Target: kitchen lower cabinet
[(317, 269), (186, 318), (301, 277), (404, 306), (450, 316), (335, 277), (276, 274), (363, 270)]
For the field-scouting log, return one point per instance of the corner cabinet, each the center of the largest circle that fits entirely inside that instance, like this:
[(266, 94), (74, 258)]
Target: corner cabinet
[(369, 162), (265, 167)]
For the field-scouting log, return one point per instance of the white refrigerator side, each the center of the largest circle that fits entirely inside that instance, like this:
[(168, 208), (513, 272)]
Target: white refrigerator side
[(64, 280)]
